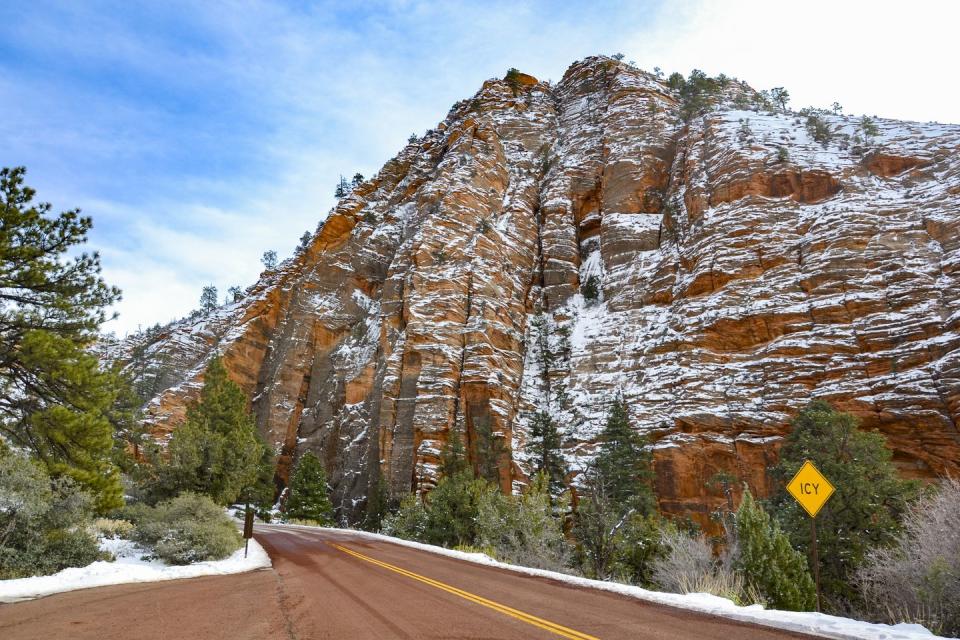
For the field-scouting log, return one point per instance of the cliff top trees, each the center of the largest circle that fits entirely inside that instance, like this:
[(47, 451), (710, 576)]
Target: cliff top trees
[(208, 299), (269, 260), (54, 399)]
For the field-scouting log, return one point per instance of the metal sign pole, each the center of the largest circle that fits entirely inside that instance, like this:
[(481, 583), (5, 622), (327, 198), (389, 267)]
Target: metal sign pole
[(816, 559), (812, 490)]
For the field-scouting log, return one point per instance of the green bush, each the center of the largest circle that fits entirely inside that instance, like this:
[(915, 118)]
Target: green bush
[(513, 80), (453, 509), (590, 289), (44, 523), (188, 528), (524, 529), (767, 561), (639, 545), (409, 521)]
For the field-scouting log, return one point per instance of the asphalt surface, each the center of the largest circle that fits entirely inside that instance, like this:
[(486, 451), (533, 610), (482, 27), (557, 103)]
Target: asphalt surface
[(338, 585)]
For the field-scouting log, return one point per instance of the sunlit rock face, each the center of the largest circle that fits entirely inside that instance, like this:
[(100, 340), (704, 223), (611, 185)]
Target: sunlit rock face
[(741, 268)]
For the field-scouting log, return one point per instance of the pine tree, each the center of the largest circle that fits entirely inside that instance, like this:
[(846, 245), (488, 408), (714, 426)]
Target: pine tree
[(269, 260), (624, 464), (378, 498), (263, 491), (235, 294), (357, 180), (55, 400), (208, 299), (453, 509), (867, 507), (309, 497), (305, 239), (780, 96), (768, 562), (343, 188), (453, 458), (597, 525), (488, 450), (544, 444), (616, 492), (218, 450)]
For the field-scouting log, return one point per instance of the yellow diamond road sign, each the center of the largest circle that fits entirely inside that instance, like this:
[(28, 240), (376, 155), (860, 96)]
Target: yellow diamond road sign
[(810, 488)]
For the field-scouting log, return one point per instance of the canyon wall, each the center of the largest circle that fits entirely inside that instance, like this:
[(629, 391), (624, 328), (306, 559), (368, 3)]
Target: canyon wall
[(741, 267)]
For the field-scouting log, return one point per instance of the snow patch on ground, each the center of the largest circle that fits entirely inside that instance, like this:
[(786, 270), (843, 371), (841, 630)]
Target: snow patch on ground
[(819, 624), (130, 566)]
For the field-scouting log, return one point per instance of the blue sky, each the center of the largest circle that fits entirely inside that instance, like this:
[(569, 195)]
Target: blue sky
[(199, 134)]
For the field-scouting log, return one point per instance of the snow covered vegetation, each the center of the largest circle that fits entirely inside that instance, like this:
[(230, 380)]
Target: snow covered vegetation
[(129, 563)]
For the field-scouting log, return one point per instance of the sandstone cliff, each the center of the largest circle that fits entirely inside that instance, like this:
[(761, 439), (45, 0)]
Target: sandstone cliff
[(742, 269)]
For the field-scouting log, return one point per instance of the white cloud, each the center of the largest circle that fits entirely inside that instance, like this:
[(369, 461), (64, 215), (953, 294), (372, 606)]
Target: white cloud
[(220, 129)]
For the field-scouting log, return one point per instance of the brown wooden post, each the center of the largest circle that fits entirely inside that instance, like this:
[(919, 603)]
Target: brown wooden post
[(247, 529)]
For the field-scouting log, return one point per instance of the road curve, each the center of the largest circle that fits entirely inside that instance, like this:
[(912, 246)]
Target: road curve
[(337, 585)]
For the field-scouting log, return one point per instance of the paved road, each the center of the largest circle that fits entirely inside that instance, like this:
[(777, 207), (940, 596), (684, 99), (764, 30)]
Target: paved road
[(340, 586)]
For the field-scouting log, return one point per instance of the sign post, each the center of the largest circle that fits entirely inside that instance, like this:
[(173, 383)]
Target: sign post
[(812, 490), (247, 529)]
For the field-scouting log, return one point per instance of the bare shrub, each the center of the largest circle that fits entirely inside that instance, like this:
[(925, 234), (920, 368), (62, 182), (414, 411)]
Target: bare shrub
[(687, 561), (918, 578), (689, 566)]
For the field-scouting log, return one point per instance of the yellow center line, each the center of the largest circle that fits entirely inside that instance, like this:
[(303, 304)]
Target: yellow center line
[(490, 604)]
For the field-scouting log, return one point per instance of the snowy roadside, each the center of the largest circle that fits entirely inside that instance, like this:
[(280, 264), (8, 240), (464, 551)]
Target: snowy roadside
[(819, 624), (130, 566)]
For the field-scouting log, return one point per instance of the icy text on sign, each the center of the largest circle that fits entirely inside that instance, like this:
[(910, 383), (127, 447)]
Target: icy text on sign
[(810, 488)]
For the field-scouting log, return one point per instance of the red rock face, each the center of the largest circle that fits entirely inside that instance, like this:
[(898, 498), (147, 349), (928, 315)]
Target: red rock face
[(734, 285)]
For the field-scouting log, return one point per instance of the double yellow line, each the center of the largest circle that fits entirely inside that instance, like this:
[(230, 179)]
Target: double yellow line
[(490, 604)]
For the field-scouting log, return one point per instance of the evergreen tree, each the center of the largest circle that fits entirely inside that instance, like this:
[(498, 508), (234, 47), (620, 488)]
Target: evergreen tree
[(55, 400), (218, 450), (866, 509), (768, 562), (513, 80), (234, 294), (616, 491), (305, 239), (453, 458), (343, 188), (453, 508), (208, 299), (263, 491), (269, 260), (597, 526), (488, 450), (624, 464), (544, 444), (357, 180), (780, 96), (309, 497), (590, 290), (378, 498)]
